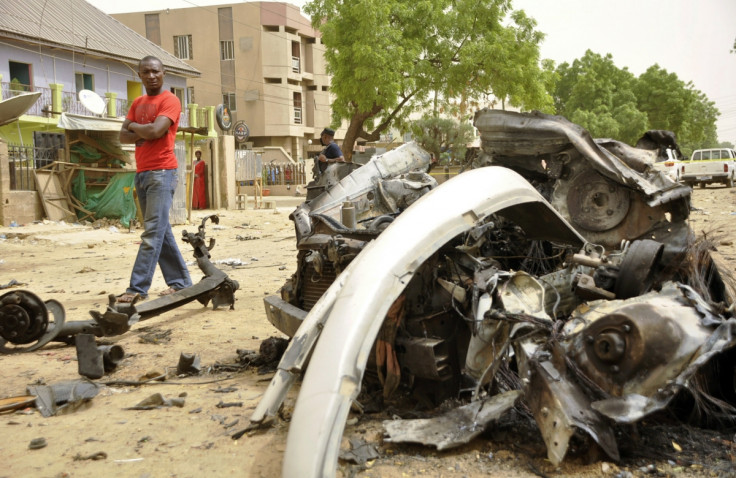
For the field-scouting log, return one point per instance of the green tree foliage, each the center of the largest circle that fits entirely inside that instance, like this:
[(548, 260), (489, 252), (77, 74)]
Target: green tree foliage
[(386, 56), (594, 93), (611, 102), (445, 138)]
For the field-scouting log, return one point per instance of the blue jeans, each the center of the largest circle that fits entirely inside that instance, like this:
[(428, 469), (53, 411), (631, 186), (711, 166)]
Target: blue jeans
[(155, 191)]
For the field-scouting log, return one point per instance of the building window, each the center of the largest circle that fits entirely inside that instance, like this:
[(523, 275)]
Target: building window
[(190, 95), (295, 57), (272, 80), (226, 50), (84, 81), (179, 93), (20, 76), (228, 100), (153, 28), (297, 108), (183, 47)]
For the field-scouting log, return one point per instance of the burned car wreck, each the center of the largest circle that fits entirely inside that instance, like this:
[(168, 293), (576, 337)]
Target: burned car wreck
[(557, 270)]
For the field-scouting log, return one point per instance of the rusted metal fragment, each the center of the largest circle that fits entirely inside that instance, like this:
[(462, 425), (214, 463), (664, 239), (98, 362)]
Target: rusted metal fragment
[(454, 428), (360, 452), (633, 406), (559, 405), (25, 323), (63, 397), (374, 189), (637, 345)]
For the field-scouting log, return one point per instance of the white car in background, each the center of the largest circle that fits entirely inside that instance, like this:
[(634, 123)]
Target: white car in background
[(669, 164), (707, 166)]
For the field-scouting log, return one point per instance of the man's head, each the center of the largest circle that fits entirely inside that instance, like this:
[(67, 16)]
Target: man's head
[(151, 72), (326, 136)]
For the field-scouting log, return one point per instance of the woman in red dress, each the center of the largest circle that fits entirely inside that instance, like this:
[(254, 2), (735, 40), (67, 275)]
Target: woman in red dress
[(199, 197)]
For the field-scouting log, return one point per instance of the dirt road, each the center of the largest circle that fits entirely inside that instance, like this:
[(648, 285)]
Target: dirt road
[(80, 266)]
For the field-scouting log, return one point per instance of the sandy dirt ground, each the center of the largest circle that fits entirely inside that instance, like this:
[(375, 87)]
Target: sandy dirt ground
[(79, 266)]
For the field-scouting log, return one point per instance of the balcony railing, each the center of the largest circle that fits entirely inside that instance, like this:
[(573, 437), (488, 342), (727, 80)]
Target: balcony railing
[(122, 105), (295, 64), (70, 104), (184, 119)]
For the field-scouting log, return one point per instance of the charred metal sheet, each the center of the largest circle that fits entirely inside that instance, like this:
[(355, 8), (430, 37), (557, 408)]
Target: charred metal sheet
[(62, 397), (607, 189), (559, 405), (643, 350), (633, 406), (283, 315), (637, 345), (360, 452), (456, 427), (508, 133), (373, 189)]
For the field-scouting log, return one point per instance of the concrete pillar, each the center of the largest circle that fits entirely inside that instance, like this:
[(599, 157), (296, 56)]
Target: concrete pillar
[(211, 121), (112, 105), (225, 173), (192, 107), (4, 184), (56, 94)]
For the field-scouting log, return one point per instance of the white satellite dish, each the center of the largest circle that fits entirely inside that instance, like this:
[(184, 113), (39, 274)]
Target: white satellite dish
[(92, 101)]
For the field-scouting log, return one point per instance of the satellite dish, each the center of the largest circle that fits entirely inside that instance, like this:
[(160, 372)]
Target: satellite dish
[(92, 101), (12, 108)]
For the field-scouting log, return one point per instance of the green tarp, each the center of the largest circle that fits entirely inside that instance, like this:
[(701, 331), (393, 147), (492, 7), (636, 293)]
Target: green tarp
[(115, 201)]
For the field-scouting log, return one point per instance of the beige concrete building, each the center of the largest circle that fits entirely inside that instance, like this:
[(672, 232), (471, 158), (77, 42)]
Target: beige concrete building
[(261, 59)]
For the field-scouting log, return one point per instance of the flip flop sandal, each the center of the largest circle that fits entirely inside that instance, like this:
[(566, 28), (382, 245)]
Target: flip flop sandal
[(127, 298), (168, 291)]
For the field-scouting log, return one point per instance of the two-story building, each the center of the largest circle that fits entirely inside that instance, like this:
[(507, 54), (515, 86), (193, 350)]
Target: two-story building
[(57, 49), (263, 60)]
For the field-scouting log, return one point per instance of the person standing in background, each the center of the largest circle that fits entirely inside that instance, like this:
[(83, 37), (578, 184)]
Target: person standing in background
[(199, 194)]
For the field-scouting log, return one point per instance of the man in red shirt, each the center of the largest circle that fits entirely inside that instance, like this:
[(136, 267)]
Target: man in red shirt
[(151, 124)]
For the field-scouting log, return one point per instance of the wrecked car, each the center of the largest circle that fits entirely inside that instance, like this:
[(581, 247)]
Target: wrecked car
[(557, 270)]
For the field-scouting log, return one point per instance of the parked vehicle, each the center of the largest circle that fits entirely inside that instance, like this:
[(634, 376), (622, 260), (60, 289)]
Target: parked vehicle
[(666, 154), (707, 166), (669, 164)]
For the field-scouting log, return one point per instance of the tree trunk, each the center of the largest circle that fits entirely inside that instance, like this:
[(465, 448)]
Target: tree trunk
[(355, 131)]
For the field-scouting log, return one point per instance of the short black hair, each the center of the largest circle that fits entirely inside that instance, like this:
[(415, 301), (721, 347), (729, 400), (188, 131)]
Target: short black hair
[(328, 131), (150, 58)]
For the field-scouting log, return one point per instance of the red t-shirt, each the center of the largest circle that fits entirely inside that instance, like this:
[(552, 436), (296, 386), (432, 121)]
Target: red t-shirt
[(156, 153)]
